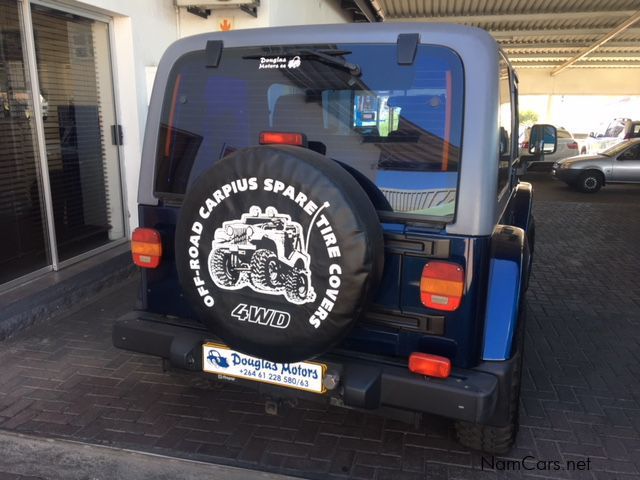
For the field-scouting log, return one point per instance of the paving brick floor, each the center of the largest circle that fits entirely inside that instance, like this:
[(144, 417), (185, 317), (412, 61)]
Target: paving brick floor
[(580, 401)]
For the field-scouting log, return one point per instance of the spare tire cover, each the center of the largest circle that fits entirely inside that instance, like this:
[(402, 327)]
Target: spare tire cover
[(278, 250)]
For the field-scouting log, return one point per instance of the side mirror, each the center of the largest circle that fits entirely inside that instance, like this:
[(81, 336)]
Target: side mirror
[(592, 134), (543, 139)]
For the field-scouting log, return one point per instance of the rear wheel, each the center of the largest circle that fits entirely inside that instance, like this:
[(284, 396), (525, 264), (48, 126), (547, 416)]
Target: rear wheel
[(498, 439), (297, 286), (590, 182)]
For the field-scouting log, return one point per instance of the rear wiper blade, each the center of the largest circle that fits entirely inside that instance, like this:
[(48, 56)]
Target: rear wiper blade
[(353, 68)]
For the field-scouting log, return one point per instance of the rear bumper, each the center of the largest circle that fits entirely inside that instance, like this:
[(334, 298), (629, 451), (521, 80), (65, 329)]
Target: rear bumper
[(367, 382)]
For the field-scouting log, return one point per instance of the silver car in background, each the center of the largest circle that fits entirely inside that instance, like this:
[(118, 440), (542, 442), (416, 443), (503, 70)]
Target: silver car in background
[(589, 173)]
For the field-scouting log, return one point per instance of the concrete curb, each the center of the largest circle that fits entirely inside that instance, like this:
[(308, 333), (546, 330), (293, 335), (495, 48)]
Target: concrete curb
[(56, 459), (59, 292)]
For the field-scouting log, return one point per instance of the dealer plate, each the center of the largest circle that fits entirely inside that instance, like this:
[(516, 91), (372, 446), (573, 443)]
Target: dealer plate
[(221, 360)]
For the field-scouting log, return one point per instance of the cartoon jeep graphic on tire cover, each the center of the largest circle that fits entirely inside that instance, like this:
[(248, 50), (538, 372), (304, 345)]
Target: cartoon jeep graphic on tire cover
[(264, 251)]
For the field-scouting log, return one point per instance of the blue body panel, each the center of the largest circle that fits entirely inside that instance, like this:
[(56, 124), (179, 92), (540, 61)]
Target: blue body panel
[(511, 247), (502, 308)]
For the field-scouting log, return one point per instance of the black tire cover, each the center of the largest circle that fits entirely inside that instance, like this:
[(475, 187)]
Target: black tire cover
[(278, 250)]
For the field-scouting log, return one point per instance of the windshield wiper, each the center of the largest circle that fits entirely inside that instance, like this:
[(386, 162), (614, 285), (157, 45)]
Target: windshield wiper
[(353, 68)]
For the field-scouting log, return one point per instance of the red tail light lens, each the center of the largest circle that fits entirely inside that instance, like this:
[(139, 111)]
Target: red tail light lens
[(430, 365), (146, 247), (573, 145), (283, 138), (442, 285), (525, 144)]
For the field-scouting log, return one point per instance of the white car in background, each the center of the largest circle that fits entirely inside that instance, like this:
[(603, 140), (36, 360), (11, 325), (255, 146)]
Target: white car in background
[(567, 147), (617, 130), (582, 139)]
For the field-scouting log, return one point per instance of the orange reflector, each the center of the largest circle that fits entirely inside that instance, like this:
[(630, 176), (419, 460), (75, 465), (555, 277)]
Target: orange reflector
[(283, 138), (430, 365), (442, 285), (146, 247)]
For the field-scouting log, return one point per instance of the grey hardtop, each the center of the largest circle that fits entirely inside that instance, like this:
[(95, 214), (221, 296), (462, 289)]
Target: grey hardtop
[(477, 208)]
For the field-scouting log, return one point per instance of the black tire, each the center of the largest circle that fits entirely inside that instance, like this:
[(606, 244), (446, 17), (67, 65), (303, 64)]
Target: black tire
[(498, 439), (590, 182), (297, 193), (265, 271), (223, 269), (296, 286)]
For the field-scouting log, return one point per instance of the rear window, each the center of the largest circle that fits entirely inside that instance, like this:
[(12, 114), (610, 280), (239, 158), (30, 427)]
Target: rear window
[(562, 133), (400, 126)]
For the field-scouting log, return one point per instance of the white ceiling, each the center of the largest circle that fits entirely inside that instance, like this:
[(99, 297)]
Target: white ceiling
[(540, 33)]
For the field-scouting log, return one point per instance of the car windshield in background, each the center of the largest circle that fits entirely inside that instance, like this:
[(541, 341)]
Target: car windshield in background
[(398, 125), (616, 149)]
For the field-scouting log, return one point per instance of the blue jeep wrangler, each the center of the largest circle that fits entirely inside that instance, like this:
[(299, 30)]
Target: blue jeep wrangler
[(332, 213)]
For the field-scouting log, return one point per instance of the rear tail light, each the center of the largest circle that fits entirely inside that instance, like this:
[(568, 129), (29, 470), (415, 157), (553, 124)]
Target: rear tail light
[(283, 138), (525, 144), (442, 285), (146, 247), (430, 365), (573, 145)]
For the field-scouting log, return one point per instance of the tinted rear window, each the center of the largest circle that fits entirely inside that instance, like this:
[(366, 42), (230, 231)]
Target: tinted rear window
[(562, 133), (398, 125)]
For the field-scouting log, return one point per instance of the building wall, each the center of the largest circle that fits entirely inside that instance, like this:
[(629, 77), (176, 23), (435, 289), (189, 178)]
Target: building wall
[(189, 24), (271, 13), (306, 12), (579, 81)]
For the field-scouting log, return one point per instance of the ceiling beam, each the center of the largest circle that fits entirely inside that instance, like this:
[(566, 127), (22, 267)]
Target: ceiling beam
[(604, 39), (506, 35), (561, 56), (517, 17), (549, 65), (566, 45), (367, 11)]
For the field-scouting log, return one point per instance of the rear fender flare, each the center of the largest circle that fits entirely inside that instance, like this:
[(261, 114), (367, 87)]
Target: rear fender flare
[(507, 276), (522, 207)]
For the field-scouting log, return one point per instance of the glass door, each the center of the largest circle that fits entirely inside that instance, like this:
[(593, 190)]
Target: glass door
[(60, 184), (76, 88), (23, 240)]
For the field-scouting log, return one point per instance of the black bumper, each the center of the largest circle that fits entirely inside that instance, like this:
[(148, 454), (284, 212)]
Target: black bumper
[(567, 175), (368, 382)]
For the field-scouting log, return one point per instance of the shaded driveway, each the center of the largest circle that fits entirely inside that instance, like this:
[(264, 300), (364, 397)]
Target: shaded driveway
[(581, 390)]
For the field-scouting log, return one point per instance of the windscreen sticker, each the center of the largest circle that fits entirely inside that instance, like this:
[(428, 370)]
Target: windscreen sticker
[(279, 62)]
